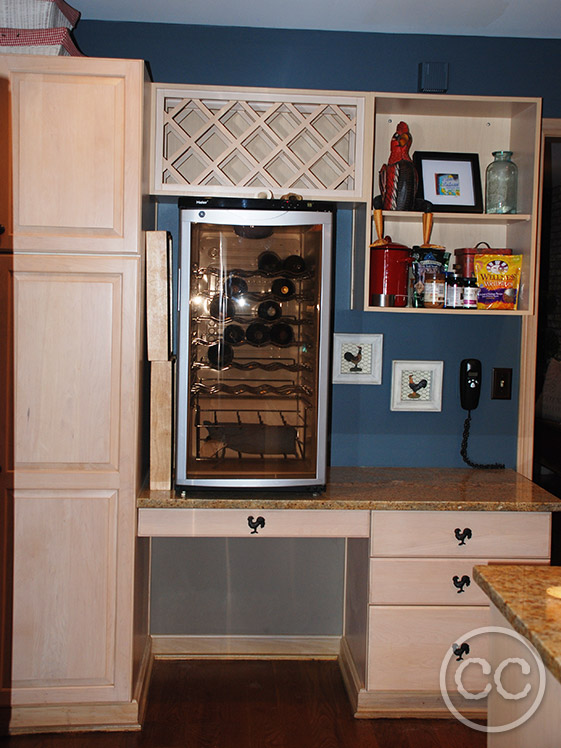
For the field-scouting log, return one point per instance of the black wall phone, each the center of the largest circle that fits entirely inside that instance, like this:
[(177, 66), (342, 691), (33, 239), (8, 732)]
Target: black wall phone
[(470, 389), (470, 383)]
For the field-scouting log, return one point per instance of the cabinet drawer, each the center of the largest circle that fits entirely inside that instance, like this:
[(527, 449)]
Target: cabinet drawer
[(406, 581), (407, 645), (461, 534), (263, 523)]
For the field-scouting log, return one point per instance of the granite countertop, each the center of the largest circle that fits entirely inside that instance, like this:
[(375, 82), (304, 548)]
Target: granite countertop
[(407, 489), (519, 592)]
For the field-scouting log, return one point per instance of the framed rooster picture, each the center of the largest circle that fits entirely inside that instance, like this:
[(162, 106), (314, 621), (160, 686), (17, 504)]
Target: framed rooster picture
[(417, 385), (357, 359)]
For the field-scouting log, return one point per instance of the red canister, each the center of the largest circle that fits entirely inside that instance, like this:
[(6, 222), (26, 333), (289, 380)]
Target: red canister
[(389, 274)]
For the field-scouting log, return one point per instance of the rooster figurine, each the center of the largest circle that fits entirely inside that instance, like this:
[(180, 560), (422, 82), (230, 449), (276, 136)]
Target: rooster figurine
[(354, 358), (398, 178)]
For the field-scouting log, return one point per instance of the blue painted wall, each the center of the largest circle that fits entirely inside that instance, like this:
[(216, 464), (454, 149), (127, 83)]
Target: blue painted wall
[(363, 429), (332, 60)]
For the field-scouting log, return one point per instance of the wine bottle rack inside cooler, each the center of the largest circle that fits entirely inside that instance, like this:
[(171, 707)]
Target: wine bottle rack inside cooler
[(252, 386)]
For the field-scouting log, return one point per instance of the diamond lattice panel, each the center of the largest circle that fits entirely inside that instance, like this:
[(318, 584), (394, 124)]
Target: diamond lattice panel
[(229, 143)]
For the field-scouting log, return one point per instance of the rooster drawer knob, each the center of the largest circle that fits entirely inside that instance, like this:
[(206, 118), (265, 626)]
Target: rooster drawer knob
[(255, 524), (460, 650), (465, 581), (462, 536)]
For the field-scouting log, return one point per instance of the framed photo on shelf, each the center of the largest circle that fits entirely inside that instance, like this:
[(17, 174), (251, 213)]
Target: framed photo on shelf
[(357, 359), (450, 181), (417, 385)]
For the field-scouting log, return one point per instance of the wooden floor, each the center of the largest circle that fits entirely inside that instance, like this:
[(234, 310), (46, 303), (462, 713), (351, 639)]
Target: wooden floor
[(258, 704)]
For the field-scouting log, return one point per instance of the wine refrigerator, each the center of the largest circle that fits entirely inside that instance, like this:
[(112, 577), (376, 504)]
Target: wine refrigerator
[(253, 343)]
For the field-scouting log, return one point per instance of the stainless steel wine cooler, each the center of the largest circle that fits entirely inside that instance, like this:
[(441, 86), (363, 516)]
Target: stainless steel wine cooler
[(253, 343)]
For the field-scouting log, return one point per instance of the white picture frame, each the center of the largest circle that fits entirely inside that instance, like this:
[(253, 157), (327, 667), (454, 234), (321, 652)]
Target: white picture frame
[(357, 359), (417, 385)]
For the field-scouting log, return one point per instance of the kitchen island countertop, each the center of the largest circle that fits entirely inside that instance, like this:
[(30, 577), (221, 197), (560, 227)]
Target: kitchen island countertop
[(519, 593), (384, 489)]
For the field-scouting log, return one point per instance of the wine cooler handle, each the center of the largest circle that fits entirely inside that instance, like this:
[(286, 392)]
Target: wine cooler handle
[(462, 536), (255, 524), (178, 289), (465, 581), (460, 650)]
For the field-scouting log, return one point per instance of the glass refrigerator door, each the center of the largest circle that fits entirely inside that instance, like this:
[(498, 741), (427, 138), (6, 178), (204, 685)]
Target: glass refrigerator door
[(254, 352)]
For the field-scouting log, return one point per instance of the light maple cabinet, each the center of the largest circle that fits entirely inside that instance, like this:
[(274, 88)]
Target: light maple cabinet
[(414, 600), (477, 125), (226, 140), (71, 266), (468, 124)]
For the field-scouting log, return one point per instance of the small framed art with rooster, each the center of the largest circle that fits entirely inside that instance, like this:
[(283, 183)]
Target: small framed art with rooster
[(417, 385), (357, 359)]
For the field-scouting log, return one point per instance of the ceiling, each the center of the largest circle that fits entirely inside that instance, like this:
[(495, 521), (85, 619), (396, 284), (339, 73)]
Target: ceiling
[(515, 18)]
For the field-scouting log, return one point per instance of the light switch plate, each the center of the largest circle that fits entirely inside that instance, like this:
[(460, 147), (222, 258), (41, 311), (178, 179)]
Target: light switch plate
[(501, 388)]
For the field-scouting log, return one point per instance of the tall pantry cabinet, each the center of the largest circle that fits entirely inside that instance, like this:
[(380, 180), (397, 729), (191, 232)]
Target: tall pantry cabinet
[(72, 281)]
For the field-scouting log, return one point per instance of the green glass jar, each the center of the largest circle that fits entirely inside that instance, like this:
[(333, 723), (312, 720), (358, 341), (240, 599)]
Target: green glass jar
[(501, 184)]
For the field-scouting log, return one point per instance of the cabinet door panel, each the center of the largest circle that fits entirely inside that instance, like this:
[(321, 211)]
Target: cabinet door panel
[(84, 192), (75, 128), (64, 594), (67, 364)]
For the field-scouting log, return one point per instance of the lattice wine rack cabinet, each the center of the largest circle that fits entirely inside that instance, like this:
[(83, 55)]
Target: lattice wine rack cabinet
[(217, 141)]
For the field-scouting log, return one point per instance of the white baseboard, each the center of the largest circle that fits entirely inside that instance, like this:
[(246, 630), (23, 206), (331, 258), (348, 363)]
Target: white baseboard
[(246, 647)]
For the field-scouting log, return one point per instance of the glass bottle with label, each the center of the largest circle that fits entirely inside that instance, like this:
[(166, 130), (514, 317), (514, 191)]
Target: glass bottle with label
[(454, 289), (470, 293), (435, 289)]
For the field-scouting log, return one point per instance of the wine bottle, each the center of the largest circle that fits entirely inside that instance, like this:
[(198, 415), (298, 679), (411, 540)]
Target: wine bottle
[(220, 355), (234, 334), (283, 288), (234, 286), (294, 264), (257, 334), (281, 334), (269, 310), (222, 308), (269, 262)]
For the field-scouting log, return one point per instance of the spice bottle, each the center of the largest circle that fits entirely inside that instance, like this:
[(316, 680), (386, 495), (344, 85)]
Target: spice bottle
[(454, 289), (435, 288), (470, 293)]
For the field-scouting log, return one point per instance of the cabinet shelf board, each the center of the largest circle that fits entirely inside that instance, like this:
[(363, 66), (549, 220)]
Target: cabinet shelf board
[(501, 219), (453, 106), (465, 312)]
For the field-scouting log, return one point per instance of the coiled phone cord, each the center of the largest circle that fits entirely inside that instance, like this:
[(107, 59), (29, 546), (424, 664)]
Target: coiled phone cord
[(463, 450)]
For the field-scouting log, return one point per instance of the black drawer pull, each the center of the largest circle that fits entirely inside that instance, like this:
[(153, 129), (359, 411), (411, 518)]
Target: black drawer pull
[(255, 523), (462, 536), (465, 581), (460, 650)]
